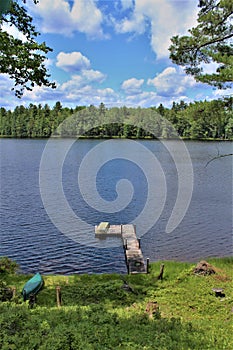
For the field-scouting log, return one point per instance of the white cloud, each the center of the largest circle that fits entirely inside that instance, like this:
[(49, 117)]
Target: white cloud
[(223, 92), (209, 68), (126, 4), (166, 18), (12, 30), (85, 78), (60, 18), (135, 24), (89, 95), (87, 17), (6, 94), (93, 76), (132, 86), (72, 62), (144, 99), (171, 82)]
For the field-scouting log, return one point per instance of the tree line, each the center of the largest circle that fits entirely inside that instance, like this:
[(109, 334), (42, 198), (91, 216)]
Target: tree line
[(196, 120)]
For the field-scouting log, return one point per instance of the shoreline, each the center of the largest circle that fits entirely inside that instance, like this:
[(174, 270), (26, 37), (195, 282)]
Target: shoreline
[(116, 138), (151, 263)]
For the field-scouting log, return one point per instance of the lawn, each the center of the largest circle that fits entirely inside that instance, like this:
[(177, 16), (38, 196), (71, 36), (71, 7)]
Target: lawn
[(104, 311)]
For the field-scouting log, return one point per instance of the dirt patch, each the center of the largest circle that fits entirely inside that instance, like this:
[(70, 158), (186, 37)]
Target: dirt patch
[(204, 268)]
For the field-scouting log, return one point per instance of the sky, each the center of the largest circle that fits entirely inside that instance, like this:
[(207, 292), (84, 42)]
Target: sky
[(111, 51)]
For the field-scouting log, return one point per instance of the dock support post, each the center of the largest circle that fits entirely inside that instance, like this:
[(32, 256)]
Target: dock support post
[(128, 268), (160, 276), (139, 243), (58, 293), (147, 265)]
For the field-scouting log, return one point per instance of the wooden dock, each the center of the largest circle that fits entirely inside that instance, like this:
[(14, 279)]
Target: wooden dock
[(133, 255)]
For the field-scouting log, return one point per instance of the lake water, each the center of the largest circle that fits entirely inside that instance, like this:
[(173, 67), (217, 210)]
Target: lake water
[(48, 208)]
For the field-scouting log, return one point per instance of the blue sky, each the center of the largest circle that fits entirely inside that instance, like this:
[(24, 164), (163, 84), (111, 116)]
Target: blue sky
[(112, 51)]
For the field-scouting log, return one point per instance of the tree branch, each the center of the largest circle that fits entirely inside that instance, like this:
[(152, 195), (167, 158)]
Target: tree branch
[(215, 41), (217, 157)]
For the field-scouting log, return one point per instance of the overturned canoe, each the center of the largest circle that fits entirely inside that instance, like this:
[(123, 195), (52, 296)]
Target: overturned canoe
[(32, 286)]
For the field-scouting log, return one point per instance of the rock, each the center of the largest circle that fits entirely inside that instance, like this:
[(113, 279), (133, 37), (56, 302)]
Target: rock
[(152, 309), (204, 268)]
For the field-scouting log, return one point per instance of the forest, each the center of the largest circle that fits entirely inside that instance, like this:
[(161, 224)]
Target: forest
[(196, 120)]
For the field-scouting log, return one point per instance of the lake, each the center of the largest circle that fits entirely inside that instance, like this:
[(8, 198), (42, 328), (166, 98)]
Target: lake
[(54, 193)]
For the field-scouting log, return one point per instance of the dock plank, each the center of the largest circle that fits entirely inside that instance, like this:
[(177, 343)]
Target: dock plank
[(133, 254)]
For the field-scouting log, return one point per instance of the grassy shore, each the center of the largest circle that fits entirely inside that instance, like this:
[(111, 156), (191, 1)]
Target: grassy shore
[(104, 312)]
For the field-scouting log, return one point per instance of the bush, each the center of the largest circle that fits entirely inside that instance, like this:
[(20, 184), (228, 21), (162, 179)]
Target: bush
[(6, 292), (8, 266)]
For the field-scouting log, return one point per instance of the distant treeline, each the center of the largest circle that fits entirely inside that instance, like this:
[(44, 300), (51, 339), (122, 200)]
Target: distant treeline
[(197, 120)]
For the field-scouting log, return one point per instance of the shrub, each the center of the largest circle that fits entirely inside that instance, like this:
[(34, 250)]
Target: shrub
[(6, 292), (8, 266)]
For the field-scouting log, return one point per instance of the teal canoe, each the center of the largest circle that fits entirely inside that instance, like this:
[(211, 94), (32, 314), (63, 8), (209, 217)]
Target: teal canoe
[(33, 286)]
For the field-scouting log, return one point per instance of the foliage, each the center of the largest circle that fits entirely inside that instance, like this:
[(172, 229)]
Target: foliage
[(23, 60), (205, 120), (98, 314), (208, 42), (4, 6), (5, 292), (7, 265)]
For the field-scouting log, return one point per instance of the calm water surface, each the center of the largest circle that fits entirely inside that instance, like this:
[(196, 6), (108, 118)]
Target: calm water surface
[(29, 236)]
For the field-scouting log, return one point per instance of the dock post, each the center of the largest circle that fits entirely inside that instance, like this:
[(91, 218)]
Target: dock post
[(139, 243), (13, 292), (58, 293), (128, 268), (121, 229), (147, 265)]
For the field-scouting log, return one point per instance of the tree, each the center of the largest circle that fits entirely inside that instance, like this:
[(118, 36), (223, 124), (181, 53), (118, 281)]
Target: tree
[(22, 60), (208, 42), (4, 6)]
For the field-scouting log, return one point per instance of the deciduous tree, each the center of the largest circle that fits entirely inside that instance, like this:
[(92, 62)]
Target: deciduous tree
[(23, 60)]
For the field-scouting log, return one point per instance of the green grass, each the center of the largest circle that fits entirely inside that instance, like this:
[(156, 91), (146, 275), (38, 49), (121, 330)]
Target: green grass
[(97, 313)]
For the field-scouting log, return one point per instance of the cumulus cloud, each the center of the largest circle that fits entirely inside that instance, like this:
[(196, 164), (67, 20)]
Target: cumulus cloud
[(144, 99), (166, 18), (171, 82), (82, 16), (134, 24), (87, 17), (132, 86), (93, 76), (70, 93), (72, 62), (76, 62), (85, 78)]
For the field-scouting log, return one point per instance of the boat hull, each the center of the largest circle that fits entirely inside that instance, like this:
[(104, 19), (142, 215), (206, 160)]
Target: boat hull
[(32, 286)]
